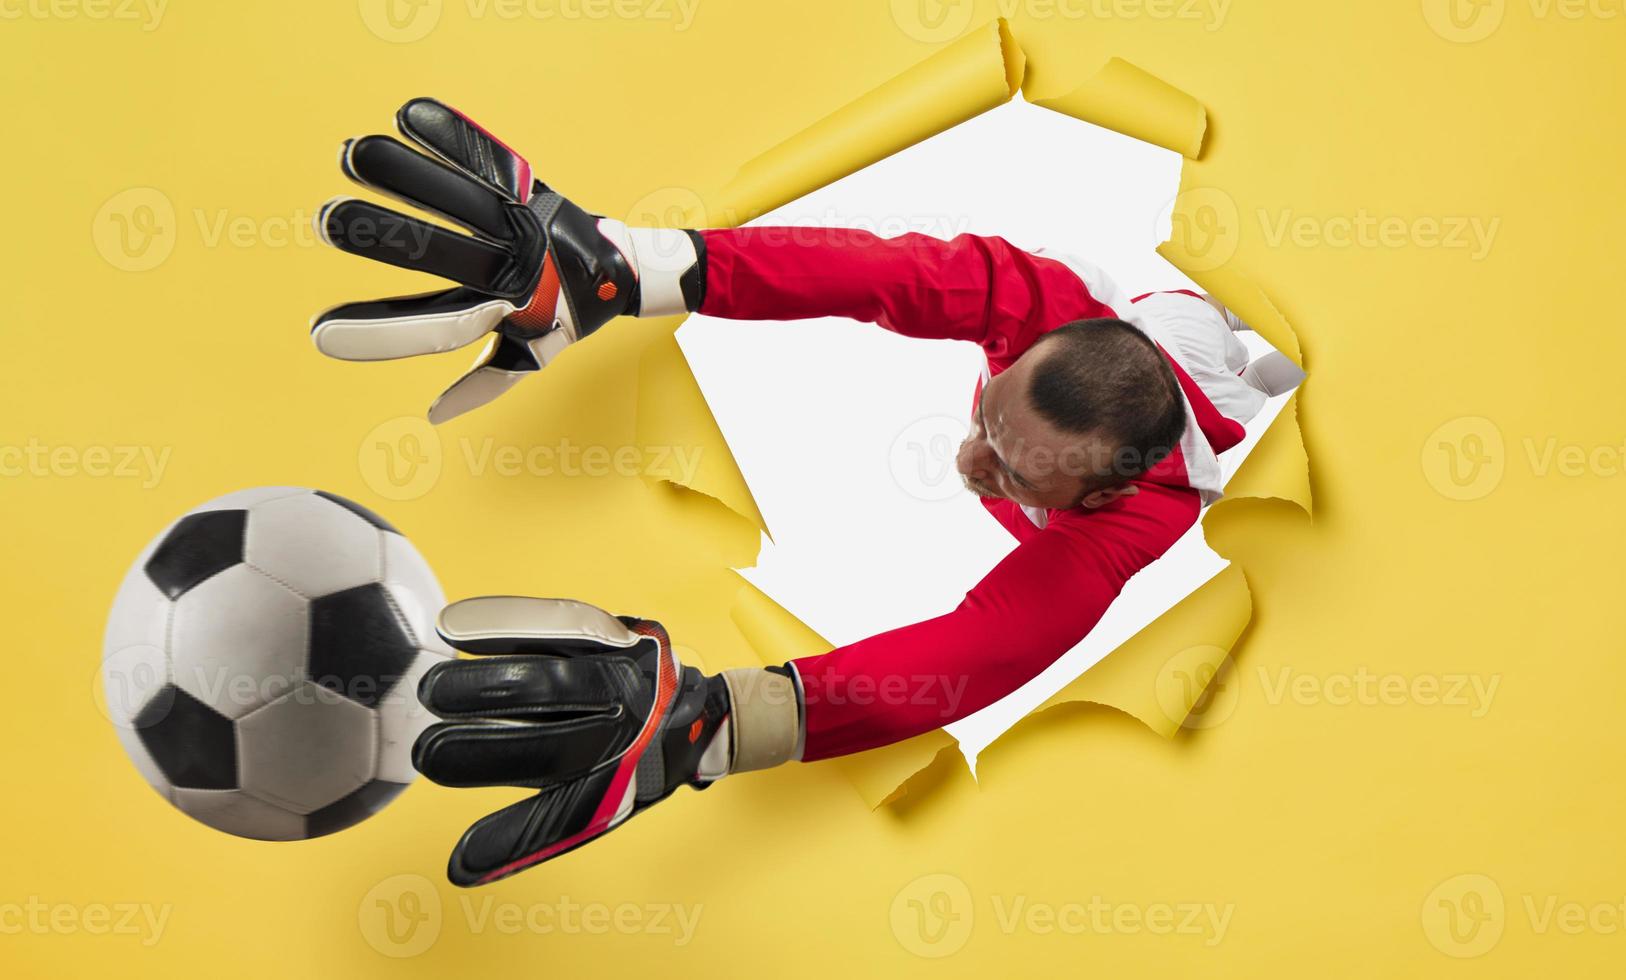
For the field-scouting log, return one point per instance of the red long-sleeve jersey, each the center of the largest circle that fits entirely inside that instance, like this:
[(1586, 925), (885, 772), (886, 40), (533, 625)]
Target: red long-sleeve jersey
[(1049, 592)]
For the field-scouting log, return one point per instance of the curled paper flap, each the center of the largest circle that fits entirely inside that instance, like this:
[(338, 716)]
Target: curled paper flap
[(673, 412), (981, 70), (1280, 467), (1163, 673), (1134, 102)]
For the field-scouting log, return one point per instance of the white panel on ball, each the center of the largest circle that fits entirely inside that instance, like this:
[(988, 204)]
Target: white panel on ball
[(132, 675), (134, 661), (244, 499), (236, 812), (238, 641), (306, 749), (312, 545), (412, 585)]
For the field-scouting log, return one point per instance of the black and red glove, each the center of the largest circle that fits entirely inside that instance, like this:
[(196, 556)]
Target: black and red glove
[(595, 713), (536, 271)]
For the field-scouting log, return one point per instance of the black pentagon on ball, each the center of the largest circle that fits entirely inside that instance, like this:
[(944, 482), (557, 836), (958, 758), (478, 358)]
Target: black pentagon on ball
[(370, 516), (194, 745), (360, 645), (352, 809), (196, 548)]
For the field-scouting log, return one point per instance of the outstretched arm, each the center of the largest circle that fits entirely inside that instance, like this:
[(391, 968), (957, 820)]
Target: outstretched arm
[(976, 288), (599, 717), (1034, 606), (539, 273)]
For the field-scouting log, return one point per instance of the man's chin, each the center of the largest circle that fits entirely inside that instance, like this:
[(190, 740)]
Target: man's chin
[(982, 491)]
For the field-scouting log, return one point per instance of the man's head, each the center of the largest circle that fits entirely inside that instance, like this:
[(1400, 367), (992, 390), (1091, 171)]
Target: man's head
[(1082, 412)]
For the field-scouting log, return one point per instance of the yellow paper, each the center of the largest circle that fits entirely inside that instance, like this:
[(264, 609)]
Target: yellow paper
[(157, 302), (1161, 674), (1126, 99), (774, 633), (672, 412)]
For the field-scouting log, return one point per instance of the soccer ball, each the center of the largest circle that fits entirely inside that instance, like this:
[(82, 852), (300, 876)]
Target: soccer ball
[(262, 660)]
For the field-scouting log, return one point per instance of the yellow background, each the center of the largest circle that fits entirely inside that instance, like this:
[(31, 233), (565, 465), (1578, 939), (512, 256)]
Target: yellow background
[(1339, 838)]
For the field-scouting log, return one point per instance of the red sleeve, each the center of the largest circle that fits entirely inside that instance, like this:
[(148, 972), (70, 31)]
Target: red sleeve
[(1035, 605), (980, 289)]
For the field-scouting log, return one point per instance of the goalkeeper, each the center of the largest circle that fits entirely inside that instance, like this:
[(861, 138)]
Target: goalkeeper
[(1094, 441)]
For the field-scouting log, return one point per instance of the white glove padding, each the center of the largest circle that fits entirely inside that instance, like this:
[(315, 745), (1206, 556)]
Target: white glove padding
[(537, 273)]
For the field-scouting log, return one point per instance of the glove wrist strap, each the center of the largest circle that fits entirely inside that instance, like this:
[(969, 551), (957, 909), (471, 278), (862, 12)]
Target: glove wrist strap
[(667, 263), (765, 718)]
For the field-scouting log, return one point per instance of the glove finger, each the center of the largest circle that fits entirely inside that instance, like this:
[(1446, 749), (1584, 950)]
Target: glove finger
[(466, 145), (494, 753), (500, 366), (1273, 373), (383, 235), (520, 624), (390, 167), (528, 687), (405, 326), (554, 822)]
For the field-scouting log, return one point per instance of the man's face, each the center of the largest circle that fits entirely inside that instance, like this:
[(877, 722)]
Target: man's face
[(1016, 454)]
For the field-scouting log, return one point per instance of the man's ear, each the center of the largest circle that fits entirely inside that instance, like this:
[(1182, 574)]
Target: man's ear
[(1106, 495)]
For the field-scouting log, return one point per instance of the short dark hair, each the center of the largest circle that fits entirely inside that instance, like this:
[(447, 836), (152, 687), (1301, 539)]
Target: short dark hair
[(1103, 376)]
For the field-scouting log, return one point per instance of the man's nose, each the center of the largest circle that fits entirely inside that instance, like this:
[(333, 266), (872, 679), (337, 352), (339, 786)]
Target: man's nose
[(966, 460)]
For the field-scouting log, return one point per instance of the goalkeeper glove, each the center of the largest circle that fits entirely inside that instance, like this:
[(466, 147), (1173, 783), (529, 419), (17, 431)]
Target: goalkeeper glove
[(595, 713), (538, 272)]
